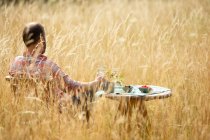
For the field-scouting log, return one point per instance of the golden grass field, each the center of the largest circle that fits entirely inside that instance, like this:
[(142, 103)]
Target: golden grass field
[(158, 42)]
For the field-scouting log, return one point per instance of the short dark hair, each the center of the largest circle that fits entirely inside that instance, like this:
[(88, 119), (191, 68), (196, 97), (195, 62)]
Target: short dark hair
[(32, 33)]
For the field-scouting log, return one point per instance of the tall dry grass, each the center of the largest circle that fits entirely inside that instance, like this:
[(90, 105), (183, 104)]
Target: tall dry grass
[(161, 42)]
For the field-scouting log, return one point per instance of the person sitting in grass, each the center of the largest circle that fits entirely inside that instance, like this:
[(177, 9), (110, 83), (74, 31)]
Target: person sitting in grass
[(34, 64)]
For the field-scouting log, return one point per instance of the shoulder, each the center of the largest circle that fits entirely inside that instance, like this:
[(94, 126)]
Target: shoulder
[(56, 70), (47, 61), (19, 58), (16, 64), (52, 65)]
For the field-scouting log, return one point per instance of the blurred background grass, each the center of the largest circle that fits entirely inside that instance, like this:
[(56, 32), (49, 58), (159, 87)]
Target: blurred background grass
[(160, 42)]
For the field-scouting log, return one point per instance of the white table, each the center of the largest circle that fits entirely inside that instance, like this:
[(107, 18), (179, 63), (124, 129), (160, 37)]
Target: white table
[(135, 99)]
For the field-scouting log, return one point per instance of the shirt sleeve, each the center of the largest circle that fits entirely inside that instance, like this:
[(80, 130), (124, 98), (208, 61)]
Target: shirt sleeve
[(69, 83), (62, 77), (73, 85)]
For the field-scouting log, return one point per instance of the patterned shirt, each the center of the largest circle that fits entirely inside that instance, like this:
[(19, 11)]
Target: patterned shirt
[(43, 68)]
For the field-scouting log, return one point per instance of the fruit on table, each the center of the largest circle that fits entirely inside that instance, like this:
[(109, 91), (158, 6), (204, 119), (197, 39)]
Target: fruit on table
[(145, 89)]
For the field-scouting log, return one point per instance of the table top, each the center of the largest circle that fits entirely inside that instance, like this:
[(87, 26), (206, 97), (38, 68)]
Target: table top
[(156, 92)]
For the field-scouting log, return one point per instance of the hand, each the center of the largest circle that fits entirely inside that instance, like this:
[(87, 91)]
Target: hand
[(104, 84)]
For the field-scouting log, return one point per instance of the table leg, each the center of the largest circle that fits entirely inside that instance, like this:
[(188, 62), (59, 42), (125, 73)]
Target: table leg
[(142, 119), (125, 109)]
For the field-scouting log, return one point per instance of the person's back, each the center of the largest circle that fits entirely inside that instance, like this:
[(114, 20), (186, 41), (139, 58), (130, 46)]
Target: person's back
[(34, 64)]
